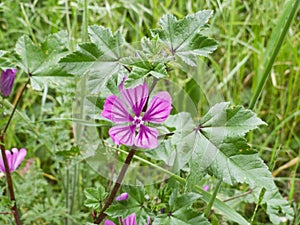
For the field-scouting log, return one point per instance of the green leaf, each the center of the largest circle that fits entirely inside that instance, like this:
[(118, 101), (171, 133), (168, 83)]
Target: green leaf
[(41, 61), (222, 126), (5, 61), (185, 217), (221, 150), (176, 150), (184, 201), (222, 207), (94, 196), (134, 204), (142, 67), (276, 206), (180, 211), (153, 49), (67, 154), (183, 38), (110, 44), (82, 59), (98, 60), (176, 157)]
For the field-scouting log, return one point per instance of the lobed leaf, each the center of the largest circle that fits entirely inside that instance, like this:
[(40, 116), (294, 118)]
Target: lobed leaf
[(180, 211), (221, 150), (183, 38), (99, 59), (82, 59), (94, 196), (5, 61), (142, 67), (134, 204), (41, 61), (108, 43)]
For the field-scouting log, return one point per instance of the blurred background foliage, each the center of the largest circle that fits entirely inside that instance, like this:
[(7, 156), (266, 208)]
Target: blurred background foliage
[(242, 29)]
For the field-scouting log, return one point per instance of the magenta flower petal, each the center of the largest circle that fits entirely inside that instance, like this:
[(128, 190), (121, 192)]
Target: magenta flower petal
[(149, 220), (7, 80), (20, 155), (130, 220), (136, 98), (122, 197), (159, 108), (123, 134), (109, 222), (115, 110), (147, 137), (14, 159)]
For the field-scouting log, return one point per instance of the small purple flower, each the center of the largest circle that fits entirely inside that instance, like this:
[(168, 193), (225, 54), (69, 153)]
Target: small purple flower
[(205, 187), (14, 159), (122, 197), (129, 220), (131, 129), (7, 80)]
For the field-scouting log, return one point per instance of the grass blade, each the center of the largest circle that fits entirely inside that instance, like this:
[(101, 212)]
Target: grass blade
[(274, 45)]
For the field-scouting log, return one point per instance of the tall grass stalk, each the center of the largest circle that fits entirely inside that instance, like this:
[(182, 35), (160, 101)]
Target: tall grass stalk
[(274, 45)]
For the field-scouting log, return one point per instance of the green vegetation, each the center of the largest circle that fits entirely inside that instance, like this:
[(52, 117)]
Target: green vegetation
[(50, 187)]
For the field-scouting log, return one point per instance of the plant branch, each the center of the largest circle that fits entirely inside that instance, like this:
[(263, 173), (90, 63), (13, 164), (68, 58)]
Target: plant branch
[(238, 196), (218, 204), (116, 187), (14, 208), (14, 109)]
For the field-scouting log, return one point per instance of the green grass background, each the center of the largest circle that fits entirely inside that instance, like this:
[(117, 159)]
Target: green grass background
[(242, 29)]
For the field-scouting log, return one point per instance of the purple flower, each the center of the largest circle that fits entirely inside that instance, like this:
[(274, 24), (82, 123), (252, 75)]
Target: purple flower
[(7, 80), (205, 187), (131, 128), (122, 197), (14, 159), (129, 220)]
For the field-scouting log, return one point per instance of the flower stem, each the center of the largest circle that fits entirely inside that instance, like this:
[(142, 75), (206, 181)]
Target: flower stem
[(14, 208), (212, 199), (15, 107), (116, 187)]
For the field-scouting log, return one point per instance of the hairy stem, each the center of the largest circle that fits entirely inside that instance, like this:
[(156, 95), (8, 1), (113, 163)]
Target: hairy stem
[(116, 187), (14, 208)]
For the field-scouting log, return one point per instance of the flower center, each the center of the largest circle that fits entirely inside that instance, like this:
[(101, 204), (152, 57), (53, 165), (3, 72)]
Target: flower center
[(137, 120)]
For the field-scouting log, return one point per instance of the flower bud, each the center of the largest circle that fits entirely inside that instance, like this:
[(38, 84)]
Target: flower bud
[(7, 80), (122, 197)]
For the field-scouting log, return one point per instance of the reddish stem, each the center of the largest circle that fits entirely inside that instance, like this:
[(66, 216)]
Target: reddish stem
[(116, 187), (14, 208)]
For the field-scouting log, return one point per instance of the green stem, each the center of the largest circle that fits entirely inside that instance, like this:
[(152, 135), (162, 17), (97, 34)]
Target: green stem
[(261, 197), (85, 21), (274, 45), (67, 193), (74, 188), (28, 23), (68, 24), (212, 199)]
